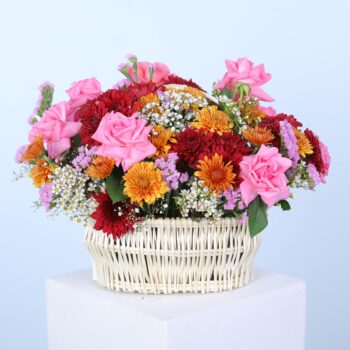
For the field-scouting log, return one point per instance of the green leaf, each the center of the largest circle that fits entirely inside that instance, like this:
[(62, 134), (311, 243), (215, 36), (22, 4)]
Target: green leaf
[(76, 141), (284, 204), (257, 216), (226, 92), (115, 185)]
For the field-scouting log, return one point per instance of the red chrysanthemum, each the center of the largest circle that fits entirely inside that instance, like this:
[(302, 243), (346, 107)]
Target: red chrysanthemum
[(114, 219), (316, 157), (123, 101), (273, 124), (138, 90), (231, 147), (193, 145), (190, 144), (174, 79)]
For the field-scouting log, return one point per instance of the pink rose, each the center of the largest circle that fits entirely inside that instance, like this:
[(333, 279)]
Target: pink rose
[(263, 174), (80, 92), (244, 71), (124, 139), (160, 72), (55, 129), (269, 111)]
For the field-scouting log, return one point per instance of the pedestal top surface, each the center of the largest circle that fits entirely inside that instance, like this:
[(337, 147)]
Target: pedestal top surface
[(174, 306)]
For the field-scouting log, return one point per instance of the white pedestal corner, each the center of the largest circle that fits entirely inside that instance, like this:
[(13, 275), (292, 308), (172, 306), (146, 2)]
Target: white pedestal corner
[(267, 314)]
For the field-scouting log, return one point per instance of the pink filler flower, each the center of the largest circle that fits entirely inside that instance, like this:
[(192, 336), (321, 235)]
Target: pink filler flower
[(264, 174), (124, 139), (55, 129), (46, 196), (244, 71)]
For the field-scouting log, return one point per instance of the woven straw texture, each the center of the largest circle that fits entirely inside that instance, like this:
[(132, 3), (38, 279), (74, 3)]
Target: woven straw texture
[(173, 256)]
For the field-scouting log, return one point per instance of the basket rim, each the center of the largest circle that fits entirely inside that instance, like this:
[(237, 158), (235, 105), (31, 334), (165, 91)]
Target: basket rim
[(150, 222)]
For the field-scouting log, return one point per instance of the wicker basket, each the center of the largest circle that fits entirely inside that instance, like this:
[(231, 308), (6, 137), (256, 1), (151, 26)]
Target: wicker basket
[(173, 256)]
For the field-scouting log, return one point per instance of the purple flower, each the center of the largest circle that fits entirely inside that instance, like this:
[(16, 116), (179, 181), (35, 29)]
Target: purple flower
[(290, 141), (39, 102), (45, 193), (314, 176), (84, 157), (31, 119), (183, 177), (19, 154), (243, 219), (231, 198), (168, 167)]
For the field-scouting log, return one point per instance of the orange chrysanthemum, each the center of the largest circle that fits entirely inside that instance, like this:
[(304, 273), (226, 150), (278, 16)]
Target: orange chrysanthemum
[(253, 112), (41, 173), (305, 146), (144, 183), (160, 138), (100, 167), (214, 120), (34, 150), (148, 99), (215, 174), (258, 135)]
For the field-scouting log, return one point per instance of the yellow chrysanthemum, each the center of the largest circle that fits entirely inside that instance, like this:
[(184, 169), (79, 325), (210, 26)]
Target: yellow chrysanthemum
[(212, 119), (144, 183), (34, 150), (41, 173), (160, 138), (100, 167), (216, 175), (305, 147), (258, 135)]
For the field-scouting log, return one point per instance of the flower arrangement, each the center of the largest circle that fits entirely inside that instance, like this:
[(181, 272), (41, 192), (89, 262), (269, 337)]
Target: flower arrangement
[(157, 145)]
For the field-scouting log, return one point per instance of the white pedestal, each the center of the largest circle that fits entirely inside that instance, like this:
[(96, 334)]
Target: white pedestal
[(268, 314)]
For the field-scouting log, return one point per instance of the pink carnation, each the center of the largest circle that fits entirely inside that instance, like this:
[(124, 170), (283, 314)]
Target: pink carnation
[(80, 92), (264, 174), (326, 158), (243, 71), (124, 139), (269, 111), (121, 84), (55, 129), (160, 72)]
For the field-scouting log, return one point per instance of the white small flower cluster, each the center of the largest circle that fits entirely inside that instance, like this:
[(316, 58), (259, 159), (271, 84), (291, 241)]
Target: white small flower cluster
[(24, 171), (174, 111), (70, 193), (299, 177), (230, 107), (199, 199)]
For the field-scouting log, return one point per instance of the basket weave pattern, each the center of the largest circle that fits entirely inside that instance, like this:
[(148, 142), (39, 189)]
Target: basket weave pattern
[(174, 255)]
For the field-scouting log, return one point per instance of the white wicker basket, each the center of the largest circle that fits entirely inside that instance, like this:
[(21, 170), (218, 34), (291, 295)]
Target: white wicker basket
[(173, 256)]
